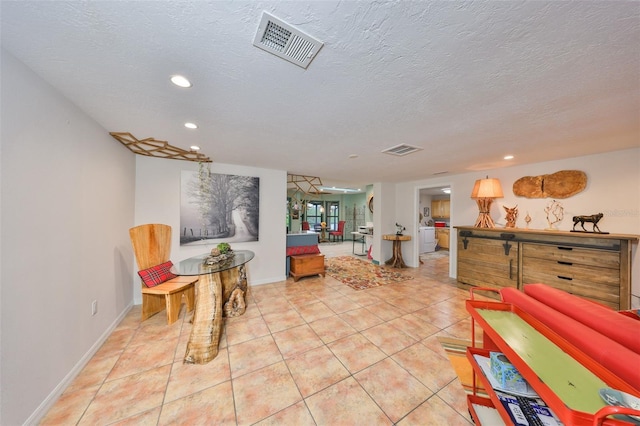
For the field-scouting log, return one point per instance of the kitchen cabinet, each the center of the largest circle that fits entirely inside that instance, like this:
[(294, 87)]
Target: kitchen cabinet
[(589, 265), (440, 208), (442, 236)]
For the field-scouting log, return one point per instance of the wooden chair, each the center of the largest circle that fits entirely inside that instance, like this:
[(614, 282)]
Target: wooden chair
[(152, 246), (339, 232)]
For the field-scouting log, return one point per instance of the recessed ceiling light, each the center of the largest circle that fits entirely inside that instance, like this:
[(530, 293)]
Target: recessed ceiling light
[(181, 81), (191, 125), (194, 148), (353, 156), (508, 157)]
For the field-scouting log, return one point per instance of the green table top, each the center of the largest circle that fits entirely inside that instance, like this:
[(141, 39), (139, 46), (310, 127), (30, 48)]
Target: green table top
[(573, 383)]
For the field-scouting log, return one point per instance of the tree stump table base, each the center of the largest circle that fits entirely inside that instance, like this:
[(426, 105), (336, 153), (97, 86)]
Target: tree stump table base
[(396, 260), (207, 321), (217, 293)]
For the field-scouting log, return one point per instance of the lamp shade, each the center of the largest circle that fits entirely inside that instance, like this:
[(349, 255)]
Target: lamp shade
[(487, 188)]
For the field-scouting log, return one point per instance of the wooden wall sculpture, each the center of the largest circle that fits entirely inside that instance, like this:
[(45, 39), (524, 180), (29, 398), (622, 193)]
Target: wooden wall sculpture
[(308, 185), (562, 184), (151, 147)]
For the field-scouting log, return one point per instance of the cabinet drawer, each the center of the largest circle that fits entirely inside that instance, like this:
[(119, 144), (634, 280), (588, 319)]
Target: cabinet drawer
[(571, 271), (598, 284), (488, 275), (484, 263), (487, 250), (572, 255)]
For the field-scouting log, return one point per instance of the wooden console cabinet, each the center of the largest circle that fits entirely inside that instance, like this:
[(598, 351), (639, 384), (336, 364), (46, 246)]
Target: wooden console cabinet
[(593, 266), (305, 265)]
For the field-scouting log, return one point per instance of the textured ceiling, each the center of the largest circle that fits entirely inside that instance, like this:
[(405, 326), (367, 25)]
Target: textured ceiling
[(466, 81)]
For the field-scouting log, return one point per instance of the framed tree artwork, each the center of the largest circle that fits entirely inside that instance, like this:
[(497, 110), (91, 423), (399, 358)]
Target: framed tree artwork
[(218, 207)]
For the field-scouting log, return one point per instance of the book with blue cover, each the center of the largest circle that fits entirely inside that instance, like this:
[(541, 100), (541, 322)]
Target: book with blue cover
[(527, 411)]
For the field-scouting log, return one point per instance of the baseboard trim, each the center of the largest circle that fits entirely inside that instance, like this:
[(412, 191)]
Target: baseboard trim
[(268, 280), (51, 399)]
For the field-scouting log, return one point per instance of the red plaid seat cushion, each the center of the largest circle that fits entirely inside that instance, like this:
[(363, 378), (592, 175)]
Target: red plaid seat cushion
[(158, 274), (293, 251)]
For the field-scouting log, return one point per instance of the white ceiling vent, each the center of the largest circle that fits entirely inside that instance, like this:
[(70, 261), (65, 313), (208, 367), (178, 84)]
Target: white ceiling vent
[(402, 149), (283, 40)]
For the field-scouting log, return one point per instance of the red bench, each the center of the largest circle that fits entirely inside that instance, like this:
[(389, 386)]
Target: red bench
[(604, 335)]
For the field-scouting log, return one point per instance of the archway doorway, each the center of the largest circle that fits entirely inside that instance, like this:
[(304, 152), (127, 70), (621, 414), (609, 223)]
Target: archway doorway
[(434, 227)]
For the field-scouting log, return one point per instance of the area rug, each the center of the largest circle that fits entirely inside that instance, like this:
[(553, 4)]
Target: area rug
[(456, 350), (361, 275)]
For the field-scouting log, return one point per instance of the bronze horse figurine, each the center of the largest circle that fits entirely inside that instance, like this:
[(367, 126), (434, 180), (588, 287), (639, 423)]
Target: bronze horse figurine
[(594, 218)]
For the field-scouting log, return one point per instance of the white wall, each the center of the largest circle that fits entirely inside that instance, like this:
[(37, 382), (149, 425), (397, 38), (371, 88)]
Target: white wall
[(613, 188), (158, 201), (384, 221), (67, 202)]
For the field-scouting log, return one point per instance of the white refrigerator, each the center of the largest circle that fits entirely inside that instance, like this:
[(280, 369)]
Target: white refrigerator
[(427, 238)]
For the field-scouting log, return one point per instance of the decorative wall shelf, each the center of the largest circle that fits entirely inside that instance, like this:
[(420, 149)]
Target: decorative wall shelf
[(305, 184), (151, 147)]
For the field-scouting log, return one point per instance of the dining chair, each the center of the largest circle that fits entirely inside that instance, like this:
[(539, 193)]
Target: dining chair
[(305, 225), (339, 232), (161, 288)]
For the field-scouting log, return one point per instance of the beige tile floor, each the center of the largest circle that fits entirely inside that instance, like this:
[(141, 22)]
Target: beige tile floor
[(314, 352)]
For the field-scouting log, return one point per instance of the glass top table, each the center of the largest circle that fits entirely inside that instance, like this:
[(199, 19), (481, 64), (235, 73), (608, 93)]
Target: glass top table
[(195, 265), (220, 287)]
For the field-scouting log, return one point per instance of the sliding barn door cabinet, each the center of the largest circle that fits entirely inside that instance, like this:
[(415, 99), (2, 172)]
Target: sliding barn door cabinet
[(590, 265)]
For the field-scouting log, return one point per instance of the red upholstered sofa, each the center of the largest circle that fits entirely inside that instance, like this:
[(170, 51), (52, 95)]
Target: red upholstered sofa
[(604, 335)]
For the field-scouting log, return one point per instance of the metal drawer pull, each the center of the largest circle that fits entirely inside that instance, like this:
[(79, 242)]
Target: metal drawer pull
[(565, 263), (510, 269), (507, 248), (565, 278)]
